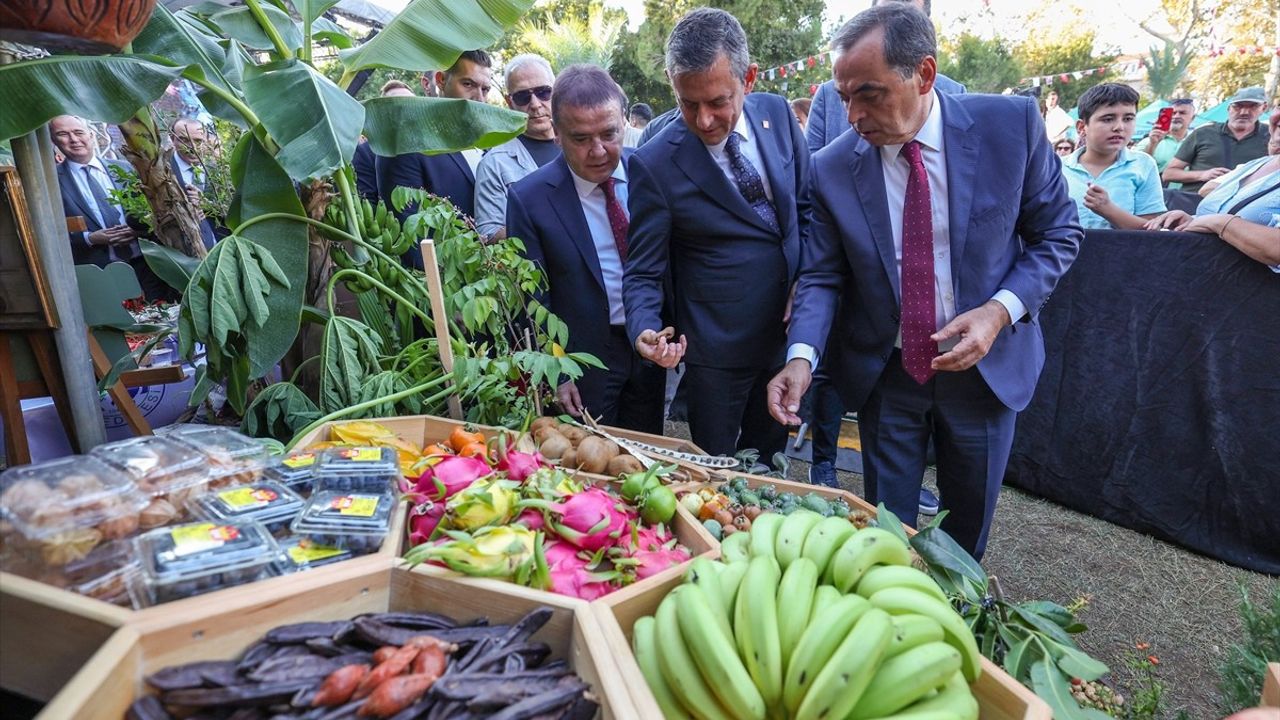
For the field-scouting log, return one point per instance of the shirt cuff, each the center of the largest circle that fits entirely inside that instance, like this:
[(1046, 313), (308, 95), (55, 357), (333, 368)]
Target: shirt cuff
[(84, 237), (805, 351), (1011, 303)]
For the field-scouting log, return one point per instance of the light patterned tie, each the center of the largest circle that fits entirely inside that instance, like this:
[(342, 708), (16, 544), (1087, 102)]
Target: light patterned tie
[(750, 184), (919, 319), (618, 221)]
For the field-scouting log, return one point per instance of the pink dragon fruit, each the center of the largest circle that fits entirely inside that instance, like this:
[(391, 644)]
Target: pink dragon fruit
[(571, 574), (520, 465), (449, 476), (591, 519), (423, 520), (647, 551), (550, 483), (531, 519), (651, 562)]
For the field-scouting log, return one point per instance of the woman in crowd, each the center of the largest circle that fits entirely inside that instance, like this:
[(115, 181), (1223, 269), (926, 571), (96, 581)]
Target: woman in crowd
[(1243, 209), (1064, 147)]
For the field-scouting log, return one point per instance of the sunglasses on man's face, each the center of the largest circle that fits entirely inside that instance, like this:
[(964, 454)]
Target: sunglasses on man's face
[(524, 97)]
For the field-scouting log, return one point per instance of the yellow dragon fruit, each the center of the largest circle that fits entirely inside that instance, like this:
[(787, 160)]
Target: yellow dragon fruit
[(484, 502), (512, 552)]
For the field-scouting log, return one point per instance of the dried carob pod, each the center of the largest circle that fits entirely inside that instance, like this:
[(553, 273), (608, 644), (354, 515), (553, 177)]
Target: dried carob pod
[(147, 707), (538, 704), (191, 675), (299, 667), (378, 633), (413, 620), (236, 695), (300, 633)]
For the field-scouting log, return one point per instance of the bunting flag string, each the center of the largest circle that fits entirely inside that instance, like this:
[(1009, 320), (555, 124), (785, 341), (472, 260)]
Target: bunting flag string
[(781, 72), (1131, 66)]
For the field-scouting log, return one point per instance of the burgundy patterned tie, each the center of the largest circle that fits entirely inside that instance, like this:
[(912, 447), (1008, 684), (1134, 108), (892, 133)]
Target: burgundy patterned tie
[(919, 319), (618, 222)]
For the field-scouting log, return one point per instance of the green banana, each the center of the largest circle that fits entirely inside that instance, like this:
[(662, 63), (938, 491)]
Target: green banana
[(843, 680), (954, 702), (756, 629), (713, 652), (824, 597), (912, 631), (379, 215), (883, 576), (678, 667), (795, 593), (644, 641), (824, 539), (730, 580), (705, 573), (817, 644), (403, 240), (735, 548), (764, 529), (789, 542), (902, 600), (903, 679), (866, 548)]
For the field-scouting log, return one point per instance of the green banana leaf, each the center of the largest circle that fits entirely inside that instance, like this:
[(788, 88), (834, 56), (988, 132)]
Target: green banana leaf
[(431, 34), (398, 125), (171, 266), (325, 29), (239, 24), (265, 188), (313, 121), (348, 355), (313, 9), (179, 37), (106, 88)]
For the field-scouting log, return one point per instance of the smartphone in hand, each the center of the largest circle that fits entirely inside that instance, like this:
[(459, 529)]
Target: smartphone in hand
[(1165, 119)]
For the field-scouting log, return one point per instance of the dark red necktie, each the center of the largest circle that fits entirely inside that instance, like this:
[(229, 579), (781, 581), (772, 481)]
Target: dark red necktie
[(618, 222), (919, 319)]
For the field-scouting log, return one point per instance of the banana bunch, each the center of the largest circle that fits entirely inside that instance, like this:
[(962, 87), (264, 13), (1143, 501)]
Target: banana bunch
[(807, 617), (380, 228)]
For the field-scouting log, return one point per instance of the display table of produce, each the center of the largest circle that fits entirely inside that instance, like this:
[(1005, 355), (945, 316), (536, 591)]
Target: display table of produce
[(368, 642)]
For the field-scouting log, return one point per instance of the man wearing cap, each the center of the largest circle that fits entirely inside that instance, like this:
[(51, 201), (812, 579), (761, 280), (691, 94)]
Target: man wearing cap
[(1211, 151)]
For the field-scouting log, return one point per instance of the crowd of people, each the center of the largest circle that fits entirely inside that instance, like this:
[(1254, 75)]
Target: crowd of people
[(884, 248)]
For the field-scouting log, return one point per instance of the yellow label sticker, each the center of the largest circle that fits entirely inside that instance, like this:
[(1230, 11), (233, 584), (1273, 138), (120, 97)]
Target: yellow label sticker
[(356, 505), (365, 454), (300, 460), (189, 539), (247, 498), (304, 552)]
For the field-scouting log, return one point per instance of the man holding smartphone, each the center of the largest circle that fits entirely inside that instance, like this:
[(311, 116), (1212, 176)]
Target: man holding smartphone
[(1163, 142)]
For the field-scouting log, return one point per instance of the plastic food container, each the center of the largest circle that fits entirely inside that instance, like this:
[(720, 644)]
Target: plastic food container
[(358, 469), (233, 458), (57, 512), (186, 560), (267, 502), (158, 465), (102, 574), (357, 522), (296, 470), (299, 553)]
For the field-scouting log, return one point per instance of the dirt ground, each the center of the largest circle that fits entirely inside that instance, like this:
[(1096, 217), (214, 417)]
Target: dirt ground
[(1139, 589)]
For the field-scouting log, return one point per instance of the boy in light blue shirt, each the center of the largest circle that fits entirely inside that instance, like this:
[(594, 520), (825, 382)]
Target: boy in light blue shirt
[(1114, 187)]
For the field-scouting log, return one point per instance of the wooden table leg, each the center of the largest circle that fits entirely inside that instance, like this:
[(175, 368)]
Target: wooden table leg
[(17, 452), (47, 360), (119, 394)]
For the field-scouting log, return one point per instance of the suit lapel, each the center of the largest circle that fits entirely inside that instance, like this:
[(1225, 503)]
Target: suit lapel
[(568, 207), (868, 179), (463, 166), (962, 168), (71, 189), (767, 140), (694, 160)]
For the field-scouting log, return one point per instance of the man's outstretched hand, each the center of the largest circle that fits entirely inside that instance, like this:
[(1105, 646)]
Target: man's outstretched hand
[(655, 346), (977, 330), (787, 388)]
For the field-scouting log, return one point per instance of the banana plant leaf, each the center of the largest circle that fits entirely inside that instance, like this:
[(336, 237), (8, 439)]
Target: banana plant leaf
[(279, 411), (399, 125), (106, 88), (325, 29), (313, 9), (180, 37), (171, 266), (265, 188), (431, 34), (239, 24), (313, 121), (348, 355)]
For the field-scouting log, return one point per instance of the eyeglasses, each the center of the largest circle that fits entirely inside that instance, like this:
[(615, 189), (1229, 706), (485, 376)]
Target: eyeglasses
[(524, 97), (1064, 146)]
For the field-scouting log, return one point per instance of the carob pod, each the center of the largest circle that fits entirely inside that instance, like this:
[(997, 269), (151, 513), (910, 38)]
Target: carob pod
[(236, 695), (328, 647), (256, 653), (467, 686), (416, 710), (299, 633), (526, 626), (191, 675), (221, 673), (496, 697), (379, 633), (533, 653), (249, 713), (413, 620), (299, 667), (514, 663), (584, 708), (538, 704), (147, 707)]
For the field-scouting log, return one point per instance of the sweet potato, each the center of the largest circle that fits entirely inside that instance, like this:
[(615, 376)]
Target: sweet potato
[(396, 694), (384, 654), (430, 661), (339, 686), (387, 669)]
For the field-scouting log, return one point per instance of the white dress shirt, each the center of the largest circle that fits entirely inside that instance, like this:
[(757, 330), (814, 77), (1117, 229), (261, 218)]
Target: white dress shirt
[(472, 156), (98, 172), (188, 172), (594, 208), (750, 151), (897, 171)]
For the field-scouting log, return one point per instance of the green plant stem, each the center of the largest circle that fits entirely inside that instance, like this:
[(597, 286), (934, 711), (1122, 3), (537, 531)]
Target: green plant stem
[(255, 9), (333, 284), (304, 52), (394, 397), (298, 370), (332, 232), (348, 76), (348, 201), (249, 116)]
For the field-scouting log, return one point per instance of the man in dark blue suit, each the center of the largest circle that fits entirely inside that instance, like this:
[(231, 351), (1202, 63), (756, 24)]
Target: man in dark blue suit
[(449, 175), (190, 144), (719, 205), (939, 231), (571, 215)]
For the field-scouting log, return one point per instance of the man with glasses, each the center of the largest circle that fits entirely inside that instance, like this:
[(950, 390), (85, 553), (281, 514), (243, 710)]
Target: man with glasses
[(449, 175), (1162, 145), (528, 79), (1213, 150), (1064, 147)]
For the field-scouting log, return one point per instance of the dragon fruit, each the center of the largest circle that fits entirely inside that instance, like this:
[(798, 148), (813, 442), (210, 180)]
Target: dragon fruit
[(573, 575), (503, 552), (647, 551), (590, 519), (651, 562), (520, 465), (450, 476), (551, 484), (482, 503), (531, 519), (423, 520)]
